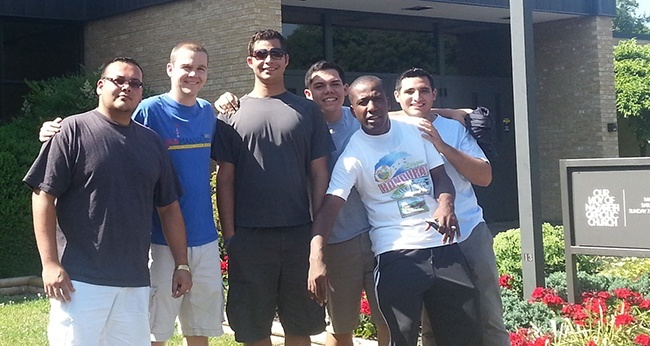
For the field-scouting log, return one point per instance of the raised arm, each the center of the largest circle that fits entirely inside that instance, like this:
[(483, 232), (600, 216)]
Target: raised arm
[(477, 171), (173, 228), (227, 103), (56, 281)]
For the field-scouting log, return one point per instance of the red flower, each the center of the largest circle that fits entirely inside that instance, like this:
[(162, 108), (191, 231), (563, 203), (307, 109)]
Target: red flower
[(642, 339), (552, 299), (628, 295), (645, 304), (591, 343), (538, 293), (224, 265), (506, 281), (623, 320), (365, 306)]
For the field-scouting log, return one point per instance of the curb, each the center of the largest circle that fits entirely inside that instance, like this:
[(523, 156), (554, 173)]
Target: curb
[(21, 285)]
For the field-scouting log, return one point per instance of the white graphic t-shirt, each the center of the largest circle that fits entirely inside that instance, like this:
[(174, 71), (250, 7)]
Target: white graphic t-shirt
[(391, 173)]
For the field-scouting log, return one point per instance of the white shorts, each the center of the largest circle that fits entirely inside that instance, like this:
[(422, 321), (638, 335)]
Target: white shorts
[(200, 311), (100, 315)]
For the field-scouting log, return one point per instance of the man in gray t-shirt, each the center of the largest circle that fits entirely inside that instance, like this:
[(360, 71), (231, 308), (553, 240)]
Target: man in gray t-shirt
[(99, 180), (272, 157)]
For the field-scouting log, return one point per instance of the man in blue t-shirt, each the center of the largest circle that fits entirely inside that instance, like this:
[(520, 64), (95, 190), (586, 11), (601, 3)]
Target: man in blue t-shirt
[(186, 125)]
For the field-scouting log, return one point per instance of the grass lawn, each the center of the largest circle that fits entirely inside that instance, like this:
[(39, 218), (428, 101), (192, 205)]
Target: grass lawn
[(23, 321)]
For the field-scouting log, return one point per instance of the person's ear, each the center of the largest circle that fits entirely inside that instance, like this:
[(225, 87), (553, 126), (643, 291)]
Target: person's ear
[(308, 94)]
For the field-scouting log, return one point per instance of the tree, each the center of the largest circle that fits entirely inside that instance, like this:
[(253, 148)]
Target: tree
[(632, 81), (627, 22)]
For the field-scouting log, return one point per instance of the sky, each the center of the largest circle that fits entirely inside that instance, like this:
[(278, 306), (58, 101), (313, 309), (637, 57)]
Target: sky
[(644, 6)]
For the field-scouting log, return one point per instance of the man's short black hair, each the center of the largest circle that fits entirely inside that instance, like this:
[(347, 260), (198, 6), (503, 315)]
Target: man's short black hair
[(124, 59), (413, 72), (320, 66)]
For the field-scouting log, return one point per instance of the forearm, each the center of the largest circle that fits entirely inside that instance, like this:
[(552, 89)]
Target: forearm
[(44, 216), (173, 228), (320, 178), (226, 199), (477, 171), (452, 113), (444, 190)]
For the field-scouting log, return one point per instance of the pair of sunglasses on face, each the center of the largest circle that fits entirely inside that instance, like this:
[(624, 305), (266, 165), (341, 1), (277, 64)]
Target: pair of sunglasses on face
[(122, 81), (275, 53)]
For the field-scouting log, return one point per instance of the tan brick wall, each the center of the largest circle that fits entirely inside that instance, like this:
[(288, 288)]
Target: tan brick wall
[(222, 26), (576, 98)]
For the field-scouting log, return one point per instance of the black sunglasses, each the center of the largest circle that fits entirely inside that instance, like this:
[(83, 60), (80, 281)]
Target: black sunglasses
[(276, 54), (122, 81)]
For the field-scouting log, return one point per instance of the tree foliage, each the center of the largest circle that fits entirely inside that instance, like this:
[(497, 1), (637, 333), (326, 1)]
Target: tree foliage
[(632, 81), (627, 21)]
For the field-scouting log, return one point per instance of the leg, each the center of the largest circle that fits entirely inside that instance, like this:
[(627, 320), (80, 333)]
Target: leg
[(128, 322), (401, 277), (383, 336), (345, 271), (478, 251), (254, 271), (163, 308), (81, 320), (300, 316), (201, 312), (450, 302), (428, 338)]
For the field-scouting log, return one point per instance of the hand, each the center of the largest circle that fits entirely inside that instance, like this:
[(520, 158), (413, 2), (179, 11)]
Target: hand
[(49, 129), (227, 103), (317, 282), (181, 282), (430, 133), (448, 224), (56, 282)]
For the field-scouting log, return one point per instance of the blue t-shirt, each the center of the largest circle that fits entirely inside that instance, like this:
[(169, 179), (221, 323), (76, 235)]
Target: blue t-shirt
[(352, 219), (187, 133)]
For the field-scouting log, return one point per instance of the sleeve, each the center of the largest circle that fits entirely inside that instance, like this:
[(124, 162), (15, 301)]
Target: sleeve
[(140, 115), (226, 142), (345, 174), (469, 145), (321, 140), (52, 169)]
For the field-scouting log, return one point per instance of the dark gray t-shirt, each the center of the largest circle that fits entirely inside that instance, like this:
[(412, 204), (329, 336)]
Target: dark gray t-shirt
[(107, 179), (272, 142)]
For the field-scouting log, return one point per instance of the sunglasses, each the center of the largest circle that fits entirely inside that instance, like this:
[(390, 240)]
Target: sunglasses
[(276, 54), (121, 82)]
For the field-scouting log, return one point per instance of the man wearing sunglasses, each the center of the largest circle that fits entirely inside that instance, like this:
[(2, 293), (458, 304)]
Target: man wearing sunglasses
[(272, 156), (98, 181), (186, 124)]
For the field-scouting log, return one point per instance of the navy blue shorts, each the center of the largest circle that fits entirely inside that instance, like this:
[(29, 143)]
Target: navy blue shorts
[(436, 277)]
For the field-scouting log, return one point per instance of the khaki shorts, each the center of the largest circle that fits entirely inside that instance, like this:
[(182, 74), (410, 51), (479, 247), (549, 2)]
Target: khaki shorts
[(350, 266), (200, 311)]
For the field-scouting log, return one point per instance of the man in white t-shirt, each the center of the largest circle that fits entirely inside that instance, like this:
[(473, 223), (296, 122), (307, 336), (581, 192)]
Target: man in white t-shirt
[(401, 181), (466, 164)]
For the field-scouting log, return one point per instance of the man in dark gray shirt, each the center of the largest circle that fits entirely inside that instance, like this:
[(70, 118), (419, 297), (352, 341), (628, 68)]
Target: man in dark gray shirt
[(272, 153), (99, 180)]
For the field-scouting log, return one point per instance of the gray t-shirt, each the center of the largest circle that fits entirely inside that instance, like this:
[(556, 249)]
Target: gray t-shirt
[(107, 179), (352, 219), (271, 142)]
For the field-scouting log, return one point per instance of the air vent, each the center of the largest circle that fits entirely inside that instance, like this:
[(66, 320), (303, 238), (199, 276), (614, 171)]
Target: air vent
[(417, 8)]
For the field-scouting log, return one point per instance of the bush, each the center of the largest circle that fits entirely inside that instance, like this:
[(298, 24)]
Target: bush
[(18, 148), (507, 248)]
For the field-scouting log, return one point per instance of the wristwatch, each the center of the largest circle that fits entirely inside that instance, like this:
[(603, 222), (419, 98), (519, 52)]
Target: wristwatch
[(183, 267)]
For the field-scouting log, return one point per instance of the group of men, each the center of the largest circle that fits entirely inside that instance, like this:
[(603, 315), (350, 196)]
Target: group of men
[(389, 221)]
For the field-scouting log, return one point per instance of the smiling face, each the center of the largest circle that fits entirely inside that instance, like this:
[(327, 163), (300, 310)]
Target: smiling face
[(369, 105), (119, 100), (188, 71), (327, 90), (416, 96), (268, 70)]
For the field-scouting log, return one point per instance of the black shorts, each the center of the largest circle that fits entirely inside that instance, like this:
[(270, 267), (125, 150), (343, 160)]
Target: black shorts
[(436, 277), (268, 270)]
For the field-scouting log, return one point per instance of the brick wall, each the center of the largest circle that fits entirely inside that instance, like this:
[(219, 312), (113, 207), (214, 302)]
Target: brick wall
[(222, 26), (576, 98)]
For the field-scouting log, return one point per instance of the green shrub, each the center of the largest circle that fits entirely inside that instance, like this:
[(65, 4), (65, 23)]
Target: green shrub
[(519, 313), (507, 248), (18, 148)]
